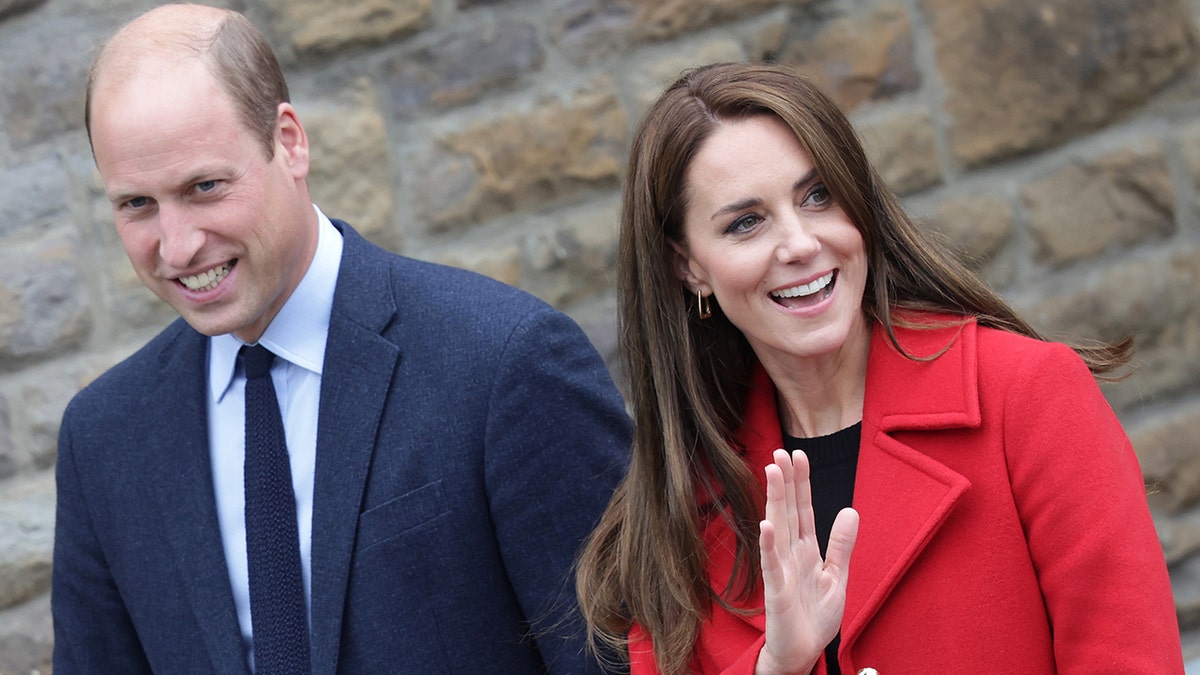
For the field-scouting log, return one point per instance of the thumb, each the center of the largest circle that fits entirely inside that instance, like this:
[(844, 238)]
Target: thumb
[(841, 542)]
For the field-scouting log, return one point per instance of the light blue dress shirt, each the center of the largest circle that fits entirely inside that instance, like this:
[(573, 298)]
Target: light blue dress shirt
[(297, 337)]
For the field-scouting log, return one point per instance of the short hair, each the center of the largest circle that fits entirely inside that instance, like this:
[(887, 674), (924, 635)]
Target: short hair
[(235, 52)]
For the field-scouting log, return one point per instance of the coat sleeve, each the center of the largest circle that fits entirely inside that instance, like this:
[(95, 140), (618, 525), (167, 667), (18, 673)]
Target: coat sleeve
[(93, 632), (1082, 502), (557, 444)]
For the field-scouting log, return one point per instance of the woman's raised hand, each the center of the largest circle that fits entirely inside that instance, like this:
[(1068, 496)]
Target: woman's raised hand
[(804, 596)]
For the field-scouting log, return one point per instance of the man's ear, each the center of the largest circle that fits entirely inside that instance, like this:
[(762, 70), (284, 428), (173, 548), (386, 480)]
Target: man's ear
[(685, 269), (291, 139)]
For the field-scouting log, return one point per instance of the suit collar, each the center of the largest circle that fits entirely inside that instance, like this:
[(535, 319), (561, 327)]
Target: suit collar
[(178, 467), (359, 368)]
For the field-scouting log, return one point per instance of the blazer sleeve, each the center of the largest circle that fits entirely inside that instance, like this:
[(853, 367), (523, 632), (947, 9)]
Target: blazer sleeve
[(93, 632), (1082, 502), (557, 443)]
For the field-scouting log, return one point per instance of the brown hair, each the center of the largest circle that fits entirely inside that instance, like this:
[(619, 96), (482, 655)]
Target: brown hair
[(234, 50), (645, 562)]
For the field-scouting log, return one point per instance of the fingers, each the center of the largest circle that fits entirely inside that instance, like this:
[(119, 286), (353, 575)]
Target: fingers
[(841, 543), (777, 509), (805, 523)]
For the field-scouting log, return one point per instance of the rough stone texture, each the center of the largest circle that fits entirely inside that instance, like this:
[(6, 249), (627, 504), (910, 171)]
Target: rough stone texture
[(590, 30), (666, 65), (576, 259), (1025, 74), (8, 459), (43, 301), (1185, 580), (31, 199), (903, 148), (9, 8), (1188, 140), (43, 97), (498, 260), (1167, 452), (520, 160), (323, 26), (27, 528), (1155, 298), (859, 57), (27, 638), (1089, 206), (462, 66), (978, 227), (350, 172)]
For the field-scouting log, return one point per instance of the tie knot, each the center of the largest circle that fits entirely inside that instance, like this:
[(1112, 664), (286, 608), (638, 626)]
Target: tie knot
[(257, 360)]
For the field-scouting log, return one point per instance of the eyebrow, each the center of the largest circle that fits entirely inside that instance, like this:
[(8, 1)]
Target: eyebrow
[(754, 201)]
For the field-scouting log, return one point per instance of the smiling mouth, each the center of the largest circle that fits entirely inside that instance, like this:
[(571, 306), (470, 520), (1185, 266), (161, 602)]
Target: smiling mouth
[(804, 295), (206, 281)]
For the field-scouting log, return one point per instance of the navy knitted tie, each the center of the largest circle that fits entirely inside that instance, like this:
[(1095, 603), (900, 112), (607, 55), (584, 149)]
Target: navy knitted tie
[(277, 607)]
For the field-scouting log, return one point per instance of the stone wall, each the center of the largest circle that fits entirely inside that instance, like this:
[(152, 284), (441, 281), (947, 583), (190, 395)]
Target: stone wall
[(1056, 144)]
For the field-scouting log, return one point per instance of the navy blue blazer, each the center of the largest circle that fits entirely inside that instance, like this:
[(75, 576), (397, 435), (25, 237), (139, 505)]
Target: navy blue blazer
[(469, 437)]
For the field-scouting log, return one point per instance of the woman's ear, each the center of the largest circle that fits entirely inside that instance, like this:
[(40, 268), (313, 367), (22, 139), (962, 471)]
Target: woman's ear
[(686, 270)]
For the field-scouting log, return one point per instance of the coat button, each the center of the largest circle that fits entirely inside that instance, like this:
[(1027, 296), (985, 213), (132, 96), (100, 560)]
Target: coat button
[(868, 671)]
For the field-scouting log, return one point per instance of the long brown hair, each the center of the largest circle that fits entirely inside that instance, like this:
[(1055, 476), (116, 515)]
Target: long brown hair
[(645, 562)]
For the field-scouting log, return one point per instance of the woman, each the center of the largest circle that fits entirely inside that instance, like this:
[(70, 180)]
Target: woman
[(773, 294)]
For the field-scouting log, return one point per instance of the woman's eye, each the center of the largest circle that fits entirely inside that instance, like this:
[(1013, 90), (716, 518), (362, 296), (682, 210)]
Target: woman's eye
[(743, 224), (818, 196)]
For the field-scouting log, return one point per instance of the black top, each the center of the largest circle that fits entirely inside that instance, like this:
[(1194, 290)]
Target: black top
[(832, 460)]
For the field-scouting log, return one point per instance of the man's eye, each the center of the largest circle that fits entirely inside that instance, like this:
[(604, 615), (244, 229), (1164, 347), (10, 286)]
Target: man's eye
[(206, 186), (137, 202)]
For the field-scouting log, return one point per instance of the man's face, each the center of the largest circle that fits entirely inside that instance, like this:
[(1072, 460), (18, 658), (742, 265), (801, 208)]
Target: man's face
[(211, 225)]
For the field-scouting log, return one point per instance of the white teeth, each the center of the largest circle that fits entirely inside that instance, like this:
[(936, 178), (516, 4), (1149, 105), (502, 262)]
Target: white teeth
[(206, 281), (804, 289)]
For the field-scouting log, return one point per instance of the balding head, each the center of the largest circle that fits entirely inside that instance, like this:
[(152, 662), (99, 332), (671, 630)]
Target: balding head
[(232, 49)]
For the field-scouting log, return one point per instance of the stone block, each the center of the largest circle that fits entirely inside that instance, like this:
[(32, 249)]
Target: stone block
[(43, 297), (461, 66), (657, 69), (858, 58), (903, 148), (1021, 75), (590, 30), (32, 199), (350, 174), (573, 254), (11, 8), (1166, 447), (1153, 297), (978, 227), (27, 638), (42, 97), (9, 461), (521, 159), (1090, 206), (326, 26), (27, 533), (498, 260)]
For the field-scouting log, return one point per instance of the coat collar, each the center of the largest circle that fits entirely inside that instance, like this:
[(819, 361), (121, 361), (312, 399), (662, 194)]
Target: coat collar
[(902, 495)]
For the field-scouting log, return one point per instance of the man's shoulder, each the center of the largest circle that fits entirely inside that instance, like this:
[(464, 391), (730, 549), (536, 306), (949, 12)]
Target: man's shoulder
[(141, 369)]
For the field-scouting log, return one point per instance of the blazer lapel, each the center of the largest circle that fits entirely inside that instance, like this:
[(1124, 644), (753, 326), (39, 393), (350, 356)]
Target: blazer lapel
[(902, 495), (179, 469), (355, 381)]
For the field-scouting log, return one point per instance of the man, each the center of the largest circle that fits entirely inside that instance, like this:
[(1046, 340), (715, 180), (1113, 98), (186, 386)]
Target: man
[(441, 443)]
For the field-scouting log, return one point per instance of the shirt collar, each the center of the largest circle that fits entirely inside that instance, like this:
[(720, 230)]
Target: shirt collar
[(298, 332)]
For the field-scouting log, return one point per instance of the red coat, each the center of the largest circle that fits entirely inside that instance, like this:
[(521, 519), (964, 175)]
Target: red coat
[(1004, 522)]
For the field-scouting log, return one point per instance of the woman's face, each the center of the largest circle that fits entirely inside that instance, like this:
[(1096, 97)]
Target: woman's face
[(763, 235)]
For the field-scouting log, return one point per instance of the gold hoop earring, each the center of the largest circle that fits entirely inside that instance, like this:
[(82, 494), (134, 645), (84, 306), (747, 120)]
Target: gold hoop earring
[(703, 306)]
